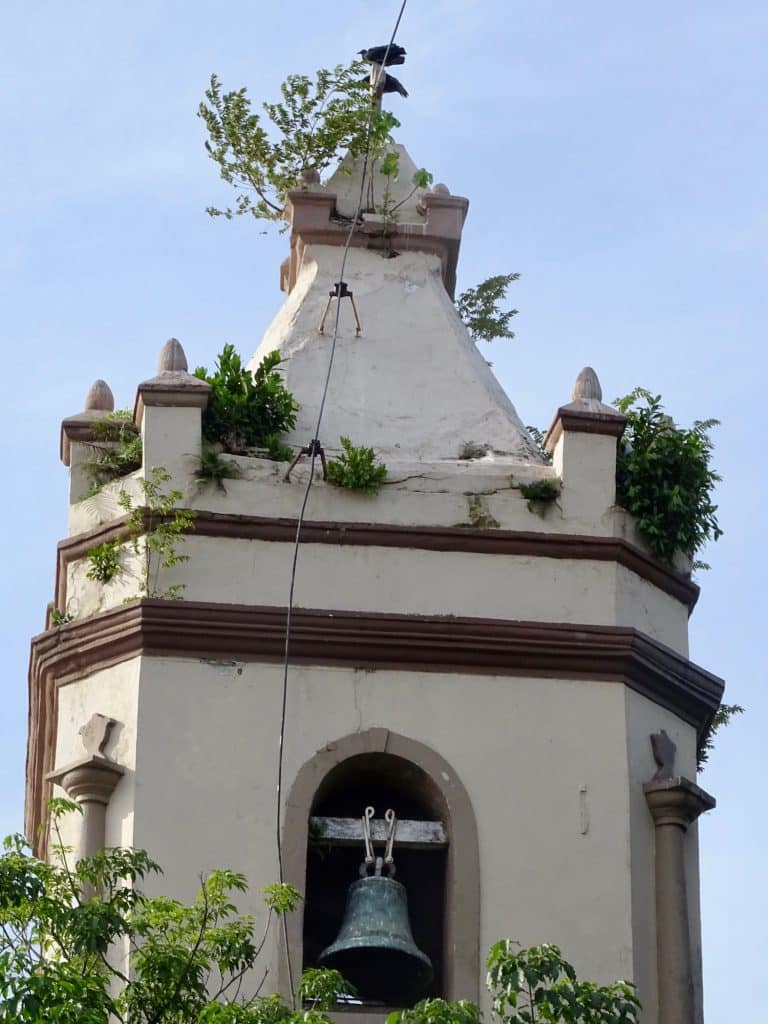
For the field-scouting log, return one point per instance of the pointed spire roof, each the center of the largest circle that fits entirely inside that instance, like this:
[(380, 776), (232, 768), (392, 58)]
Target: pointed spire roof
[(413, 384)]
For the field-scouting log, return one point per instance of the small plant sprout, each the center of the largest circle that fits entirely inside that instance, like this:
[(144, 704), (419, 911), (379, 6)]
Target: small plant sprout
[(540, 494), (356, 468), (116, 452), (471, 450), (105, 561), (214, 469)]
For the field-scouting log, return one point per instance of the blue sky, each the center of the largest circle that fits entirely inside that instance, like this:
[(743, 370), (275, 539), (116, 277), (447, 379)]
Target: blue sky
[(613, 153)]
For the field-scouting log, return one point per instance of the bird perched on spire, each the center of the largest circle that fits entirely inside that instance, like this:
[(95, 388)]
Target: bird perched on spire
[(380, 57), (376, 55)]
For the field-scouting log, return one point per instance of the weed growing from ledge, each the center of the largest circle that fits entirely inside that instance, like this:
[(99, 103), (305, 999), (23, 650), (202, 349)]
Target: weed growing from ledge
[(116, 452), (60, 618), (248, 410), (214, 469), (105, 561), (161, 524), (470, 450), (540, 494), (356, 468), (664, 477)]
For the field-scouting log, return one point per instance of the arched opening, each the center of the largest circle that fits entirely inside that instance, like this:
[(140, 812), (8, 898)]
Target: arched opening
[(385, 769), (382, 781)]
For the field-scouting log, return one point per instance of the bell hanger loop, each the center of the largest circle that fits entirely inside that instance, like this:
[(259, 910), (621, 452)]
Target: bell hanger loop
[(371, 860)]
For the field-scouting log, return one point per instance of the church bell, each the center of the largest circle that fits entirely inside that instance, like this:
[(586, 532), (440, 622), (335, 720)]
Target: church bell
[(374, 949)]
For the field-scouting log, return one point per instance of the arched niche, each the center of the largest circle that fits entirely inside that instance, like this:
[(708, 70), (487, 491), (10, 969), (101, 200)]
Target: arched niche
[(432, 784)]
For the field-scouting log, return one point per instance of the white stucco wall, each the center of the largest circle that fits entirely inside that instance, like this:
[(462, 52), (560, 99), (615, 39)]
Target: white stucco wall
[(524, 750), (234, 571)]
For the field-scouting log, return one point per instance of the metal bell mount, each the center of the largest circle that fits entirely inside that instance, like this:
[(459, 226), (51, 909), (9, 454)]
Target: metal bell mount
[(374, 949)]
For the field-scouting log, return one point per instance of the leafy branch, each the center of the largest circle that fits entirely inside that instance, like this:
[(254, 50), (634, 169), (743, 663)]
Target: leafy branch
[(722, 718), (309, 128), (480, 309), (156, 528)]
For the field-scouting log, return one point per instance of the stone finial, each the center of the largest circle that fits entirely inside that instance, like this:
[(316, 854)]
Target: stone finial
[(309, 176), (95, 733), (664, 753), (587, 385), (172, 358), (99, 397), (587, 413), (440, 189)]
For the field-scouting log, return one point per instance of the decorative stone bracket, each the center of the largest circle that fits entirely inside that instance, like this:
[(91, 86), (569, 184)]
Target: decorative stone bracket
[(91, 782)]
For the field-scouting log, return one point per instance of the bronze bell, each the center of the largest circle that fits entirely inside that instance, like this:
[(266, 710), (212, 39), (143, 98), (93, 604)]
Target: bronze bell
[(374, 949)]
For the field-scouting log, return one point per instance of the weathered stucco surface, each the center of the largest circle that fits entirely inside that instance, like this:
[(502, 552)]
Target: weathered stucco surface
[(413, 385)]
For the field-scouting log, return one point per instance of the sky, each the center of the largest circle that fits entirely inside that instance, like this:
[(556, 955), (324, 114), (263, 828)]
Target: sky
[(614, 155)]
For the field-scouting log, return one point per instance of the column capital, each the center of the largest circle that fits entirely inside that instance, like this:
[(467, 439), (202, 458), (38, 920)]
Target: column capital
[(676, 801), (91, 780)]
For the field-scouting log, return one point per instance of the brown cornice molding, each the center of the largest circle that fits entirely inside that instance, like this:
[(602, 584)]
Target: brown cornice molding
[(578, 420), (425, 538), (194, 629)]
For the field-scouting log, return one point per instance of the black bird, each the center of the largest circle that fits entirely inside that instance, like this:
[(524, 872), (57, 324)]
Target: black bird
[(388, 83), (376, 54)]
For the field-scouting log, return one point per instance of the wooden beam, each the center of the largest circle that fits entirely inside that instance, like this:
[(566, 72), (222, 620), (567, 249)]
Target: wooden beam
[(412, 835)]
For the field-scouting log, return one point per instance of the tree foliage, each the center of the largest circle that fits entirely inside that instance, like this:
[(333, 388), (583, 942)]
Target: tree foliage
[(84, 944), (664, 477), (533, 986), (247, 410), (313, 124), (480, 309)]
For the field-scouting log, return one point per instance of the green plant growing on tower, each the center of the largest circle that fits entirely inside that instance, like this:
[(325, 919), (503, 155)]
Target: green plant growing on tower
[(664, 477), (356, 468), (117, 451), (312, 126), (540, 495), (480, 309), (248, 410), (105, 561), (722, 718), (156, 528), (214, 469)]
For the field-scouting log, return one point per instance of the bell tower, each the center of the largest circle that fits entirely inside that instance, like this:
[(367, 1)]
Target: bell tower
[(489, 669)]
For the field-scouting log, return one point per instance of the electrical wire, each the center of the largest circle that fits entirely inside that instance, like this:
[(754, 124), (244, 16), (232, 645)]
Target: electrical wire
[(308, 488)]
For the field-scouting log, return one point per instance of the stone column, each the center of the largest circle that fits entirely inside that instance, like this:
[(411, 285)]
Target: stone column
[(674, 803), (90, 783)]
